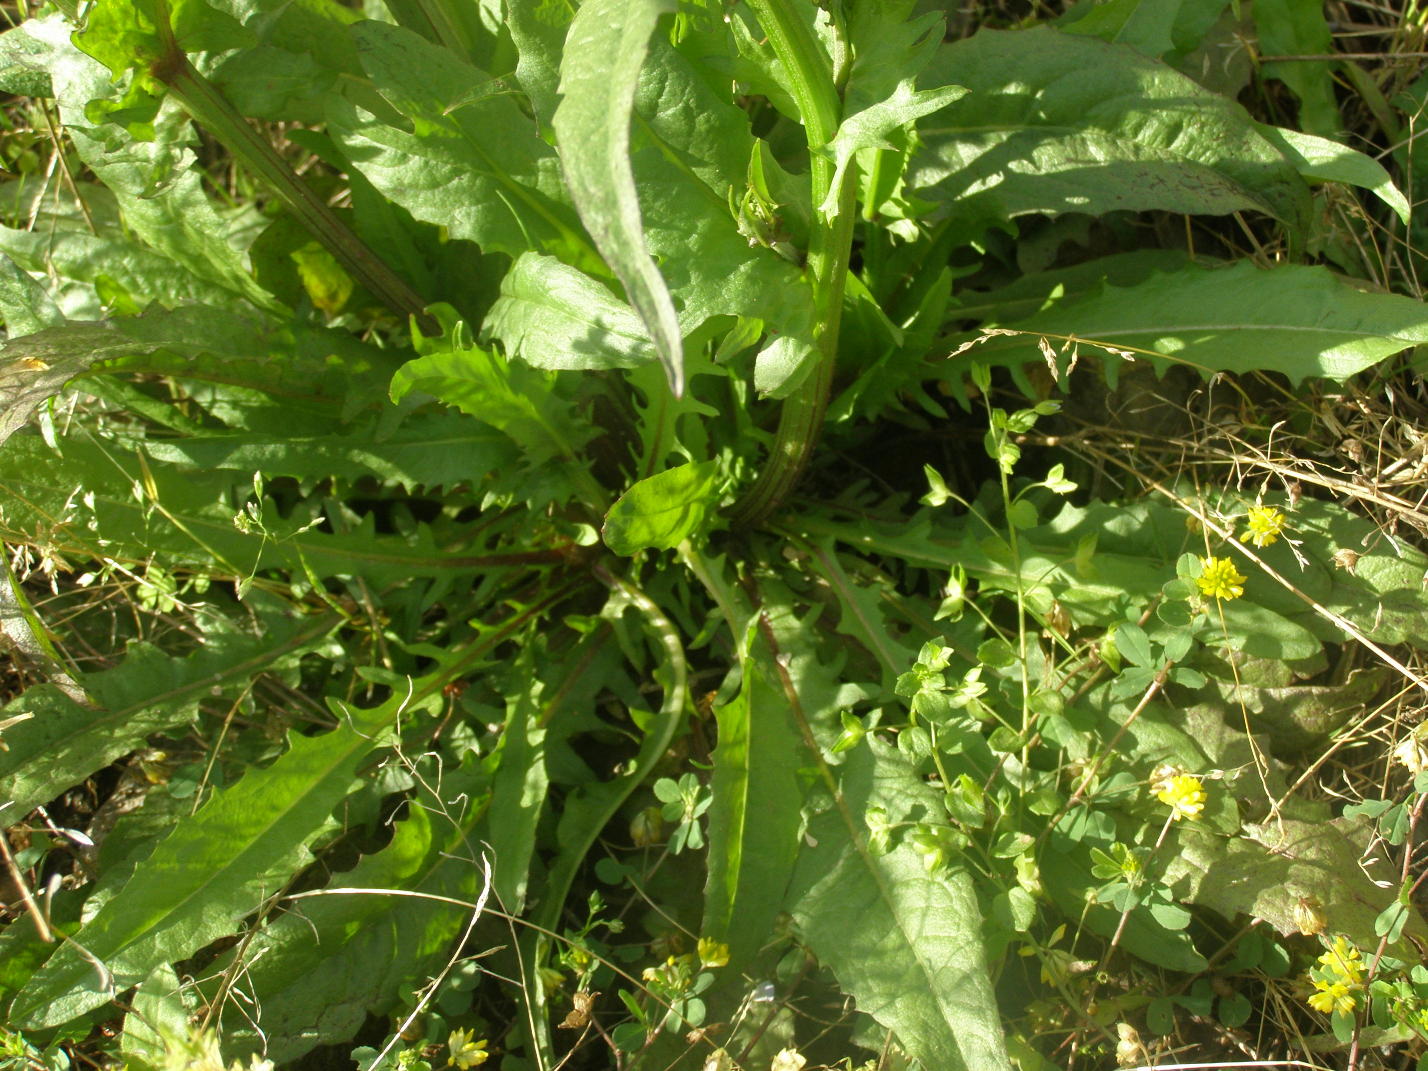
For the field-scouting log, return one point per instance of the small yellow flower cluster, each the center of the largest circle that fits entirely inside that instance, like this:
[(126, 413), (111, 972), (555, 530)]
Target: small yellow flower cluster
[(1183, 793), (713, 953), (1218, 579), (1338, 979), (1412, 750), (466, 1050), (1265, 524)]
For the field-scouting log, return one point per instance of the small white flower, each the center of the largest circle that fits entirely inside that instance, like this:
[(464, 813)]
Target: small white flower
[(788, 1060)]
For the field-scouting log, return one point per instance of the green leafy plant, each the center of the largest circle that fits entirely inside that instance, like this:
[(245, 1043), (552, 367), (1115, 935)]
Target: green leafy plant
[(519, 458)]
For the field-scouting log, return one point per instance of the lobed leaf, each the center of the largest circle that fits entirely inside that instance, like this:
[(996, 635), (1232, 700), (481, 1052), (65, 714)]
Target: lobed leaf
[(475, 167), (67, 740), (84, 502), (241, 847), (1084, 126), (553, 316)]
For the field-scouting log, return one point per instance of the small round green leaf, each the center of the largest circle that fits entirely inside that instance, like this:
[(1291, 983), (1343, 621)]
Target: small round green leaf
[(659, 512)]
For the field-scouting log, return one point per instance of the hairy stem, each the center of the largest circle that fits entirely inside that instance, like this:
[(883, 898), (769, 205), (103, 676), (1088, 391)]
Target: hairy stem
[(830, 246), (210, 109)]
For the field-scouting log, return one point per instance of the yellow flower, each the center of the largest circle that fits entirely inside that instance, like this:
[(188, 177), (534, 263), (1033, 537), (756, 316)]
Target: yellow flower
[(1218, 579), (1183, 794), (713, 953), (1412, 753), (1309, 915), (1265, 525), (466, 1052), (1332, 997), (1344, 962)]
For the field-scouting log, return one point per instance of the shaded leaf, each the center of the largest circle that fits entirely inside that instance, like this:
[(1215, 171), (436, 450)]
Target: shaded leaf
[(1300, 28), (320, 969), (552, 316), (1085, 126), (83, 502)]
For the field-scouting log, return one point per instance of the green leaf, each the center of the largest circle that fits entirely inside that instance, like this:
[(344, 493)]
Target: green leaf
[(605, 49), (754, 819), (1264, 873), (905, 944), (663, 510), (157, 184), (519, 788), (1154, 27), (77, 258), (33, 368), (95, 501), (124, 34), (514, 399), (864, 614), (1300, 28), (234, 347), (1094, 128), (891, 41), (430, 449), (213, 869), (1066, 873), (1131, 642), (158, 1023), (538, 29), (23, 56), (25, 307), (551, 315), (479, 170), (1322, 160), (1298, 321), (871, 127), (149, 691), (589, 807)]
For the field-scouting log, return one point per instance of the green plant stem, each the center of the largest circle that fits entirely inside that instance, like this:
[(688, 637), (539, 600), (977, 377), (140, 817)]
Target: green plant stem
[(830, 246), (211, 110)]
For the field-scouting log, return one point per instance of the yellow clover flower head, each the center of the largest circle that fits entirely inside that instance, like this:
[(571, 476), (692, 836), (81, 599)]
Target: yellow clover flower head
[(1265, 524), (1338, 978), (713, 953), (1309, 918), (466, 1050), (1412, 751), (1343, 961), (1219, 580), (1330, 997), (1183, 793)]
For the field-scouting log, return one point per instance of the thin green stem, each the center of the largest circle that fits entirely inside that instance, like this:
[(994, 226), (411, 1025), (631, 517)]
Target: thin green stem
[(211, 110), (811, 83)]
